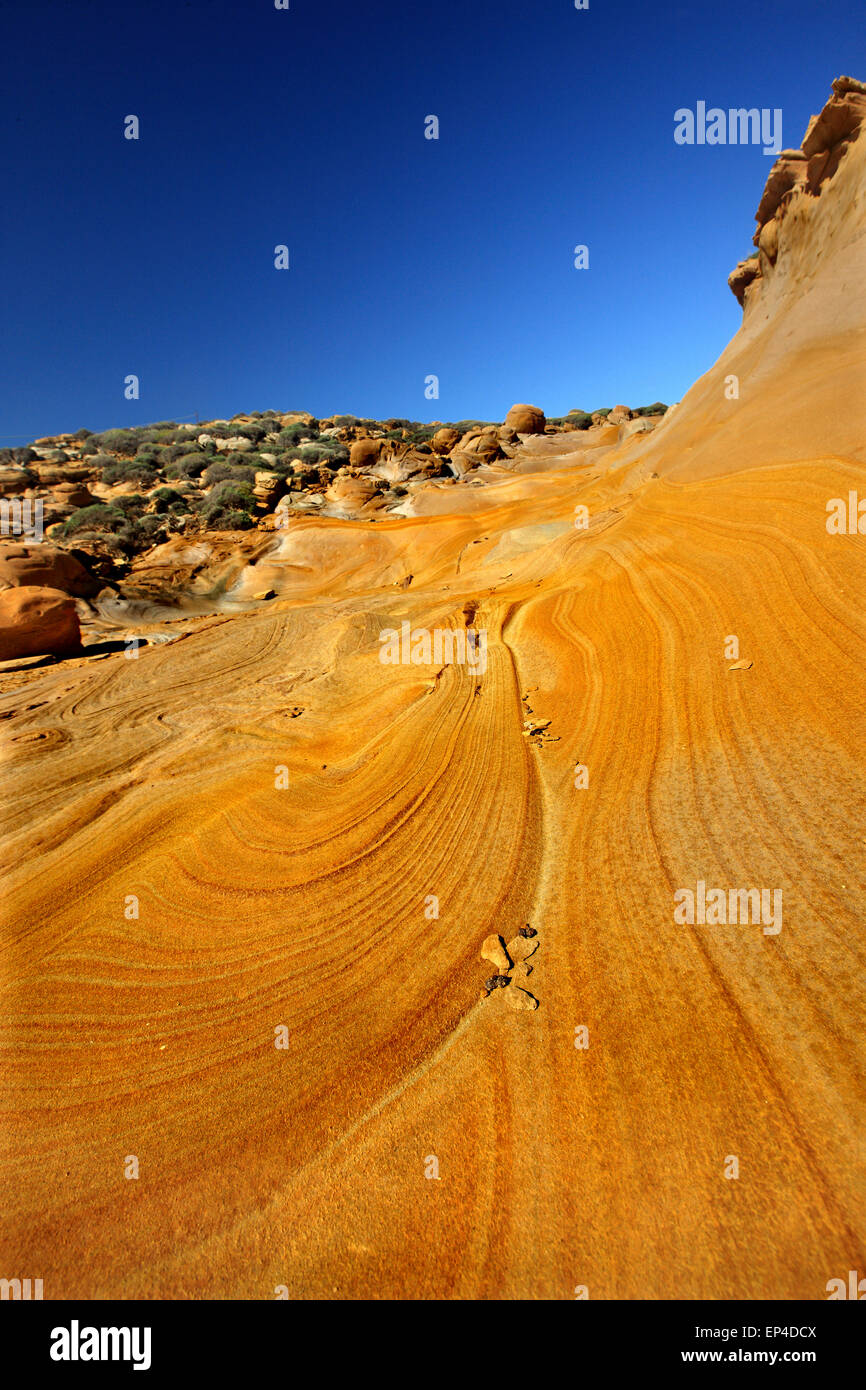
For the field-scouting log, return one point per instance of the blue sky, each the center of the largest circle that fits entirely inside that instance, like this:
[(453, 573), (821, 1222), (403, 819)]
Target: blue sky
[(408, 257)]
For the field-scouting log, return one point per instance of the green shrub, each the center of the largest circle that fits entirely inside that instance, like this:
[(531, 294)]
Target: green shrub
[(138, 471), (118, 441), (221, 519), (147, 527), (293, 434), (187, 466), (581, 419), (657, 408), (283, 464), (97, 517), (328, 451), (225, 471), (464, 425), (237, 459), (230, 494), (172, 452), (168, 497)]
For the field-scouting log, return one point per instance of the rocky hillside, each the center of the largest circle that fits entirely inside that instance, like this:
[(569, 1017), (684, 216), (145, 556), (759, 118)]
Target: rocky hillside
[(132, 487), (117, 507)]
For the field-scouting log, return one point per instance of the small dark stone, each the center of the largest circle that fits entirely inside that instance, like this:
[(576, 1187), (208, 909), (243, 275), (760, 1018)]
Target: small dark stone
[(492, 983), (498, 981), (527, 931)]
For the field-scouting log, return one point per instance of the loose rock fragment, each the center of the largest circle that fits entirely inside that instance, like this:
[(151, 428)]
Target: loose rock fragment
[(497, 982), (521, 999), (494, 951), (527, 931), (741, 666), (521, 948)]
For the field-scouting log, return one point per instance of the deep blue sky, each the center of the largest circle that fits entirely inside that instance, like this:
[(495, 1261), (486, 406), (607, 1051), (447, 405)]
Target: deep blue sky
[(408, 256)]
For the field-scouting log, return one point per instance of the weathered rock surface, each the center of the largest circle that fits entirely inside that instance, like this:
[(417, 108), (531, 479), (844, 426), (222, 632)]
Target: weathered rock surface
[(526, 419), (44, 566), (35, 621), (304, 904)]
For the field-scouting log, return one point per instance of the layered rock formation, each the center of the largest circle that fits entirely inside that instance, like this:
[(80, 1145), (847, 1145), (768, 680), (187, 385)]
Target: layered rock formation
[(796, 176), (250, 873)]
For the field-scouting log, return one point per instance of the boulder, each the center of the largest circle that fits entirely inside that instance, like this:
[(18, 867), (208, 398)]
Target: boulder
[(238, 444), (526, 419), (45, 567), (36, 621), (72, 495), (477, 447), (364, 453), (444, 440)]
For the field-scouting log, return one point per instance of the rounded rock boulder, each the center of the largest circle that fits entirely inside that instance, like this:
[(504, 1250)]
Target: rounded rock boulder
[(526, 419), (36, 621)]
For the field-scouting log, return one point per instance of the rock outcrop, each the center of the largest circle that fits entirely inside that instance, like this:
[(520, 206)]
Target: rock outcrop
[(365, 452), (798, 175), (43, 566), (37, 621), (445, 439)]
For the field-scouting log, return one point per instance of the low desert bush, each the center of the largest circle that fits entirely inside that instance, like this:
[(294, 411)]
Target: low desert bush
[(97, 517), (118, 441), (225, 519), (328, 451), (187, 466), (141, 471)]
